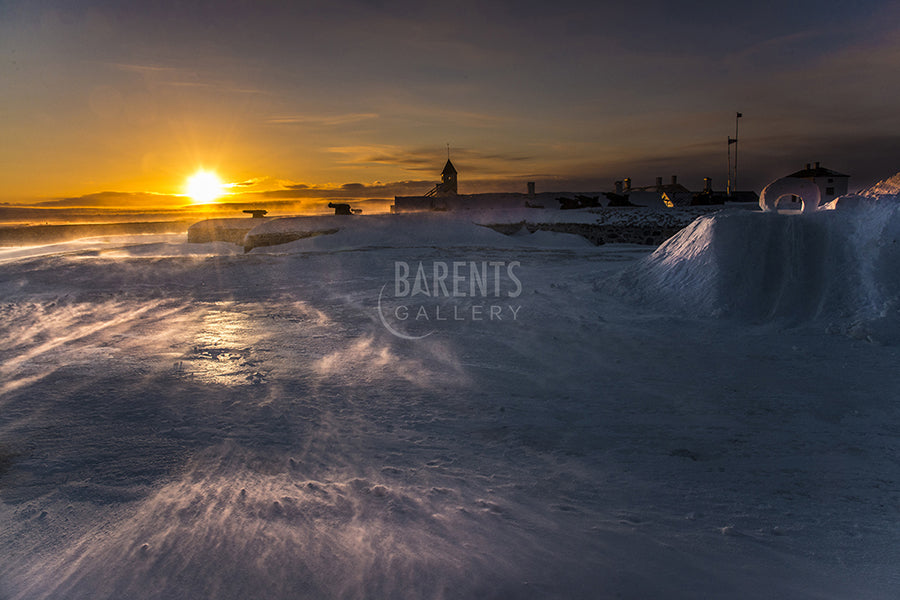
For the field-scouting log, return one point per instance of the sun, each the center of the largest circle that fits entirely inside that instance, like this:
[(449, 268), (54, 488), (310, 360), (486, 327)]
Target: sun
[(204, 187)]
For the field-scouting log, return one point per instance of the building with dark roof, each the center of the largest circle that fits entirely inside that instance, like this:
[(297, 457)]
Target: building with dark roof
[(444, 196), (657, 195), (831, 183)]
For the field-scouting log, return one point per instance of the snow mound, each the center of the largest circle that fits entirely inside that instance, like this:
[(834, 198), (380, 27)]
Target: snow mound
[(885, 187), (841, 265), (226, 230)]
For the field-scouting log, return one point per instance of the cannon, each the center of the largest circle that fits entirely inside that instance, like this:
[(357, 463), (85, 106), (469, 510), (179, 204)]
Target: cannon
[(343, 209)]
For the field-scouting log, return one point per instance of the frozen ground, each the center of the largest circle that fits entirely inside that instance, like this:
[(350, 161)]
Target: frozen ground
[(187, 421)]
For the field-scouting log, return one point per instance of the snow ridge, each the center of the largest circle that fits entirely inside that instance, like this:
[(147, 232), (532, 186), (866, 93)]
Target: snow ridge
[(885, 187), (842, 265)]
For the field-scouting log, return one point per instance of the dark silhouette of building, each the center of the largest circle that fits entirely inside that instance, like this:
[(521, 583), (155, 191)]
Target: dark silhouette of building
[(448, 184), (444, 196)]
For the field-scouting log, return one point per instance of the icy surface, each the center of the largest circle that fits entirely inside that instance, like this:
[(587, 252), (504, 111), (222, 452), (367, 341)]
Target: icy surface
[(187, 421)]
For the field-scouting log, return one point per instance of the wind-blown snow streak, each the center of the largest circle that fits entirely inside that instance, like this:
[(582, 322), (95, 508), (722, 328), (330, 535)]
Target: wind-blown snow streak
[(41, 338), (284, 535)]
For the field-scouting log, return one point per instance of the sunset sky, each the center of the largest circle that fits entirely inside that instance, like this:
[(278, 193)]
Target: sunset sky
[(118, 102)]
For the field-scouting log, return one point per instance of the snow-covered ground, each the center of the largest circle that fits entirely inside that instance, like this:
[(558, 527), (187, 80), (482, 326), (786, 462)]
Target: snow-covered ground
[(718, 419)]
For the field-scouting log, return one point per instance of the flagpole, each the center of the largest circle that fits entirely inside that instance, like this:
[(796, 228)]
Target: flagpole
[(728, 184), (736, 120)]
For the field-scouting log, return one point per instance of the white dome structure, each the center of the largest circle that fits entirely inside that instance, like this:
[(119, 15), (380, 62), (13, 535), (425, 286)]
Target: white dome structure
[(806, 190)]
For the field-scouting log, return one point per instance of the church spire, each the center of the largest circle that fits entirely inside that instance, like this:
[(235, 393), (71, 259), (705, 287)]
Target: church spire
[(448, 176)]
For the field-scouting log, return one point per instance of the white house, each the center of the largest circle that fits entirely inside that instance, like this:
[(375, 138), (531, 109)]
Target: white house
[(831, 183)]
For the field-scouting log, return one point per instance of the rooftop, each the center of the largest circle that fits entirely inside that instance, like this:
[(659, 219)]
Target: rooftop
[(816, 171)]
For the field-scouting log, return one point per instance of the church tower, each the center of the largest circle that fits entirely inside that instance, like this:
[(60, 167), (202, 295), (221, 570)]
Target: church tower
[(448, 179), (447, 186)]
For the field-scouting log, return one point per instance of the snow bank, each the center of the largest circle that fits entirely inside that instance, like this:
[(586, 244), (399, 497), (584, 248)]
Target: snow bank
[(226, 230), (830, 264), (885, 191), (885, 187), (386, 231), (469, 228)]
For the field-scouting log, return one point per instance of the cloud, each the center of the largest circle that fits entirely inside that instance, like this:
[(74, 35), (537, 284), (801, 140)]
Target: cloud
[(247, 183), (109, 199), (323, 120), (386, 155), (181, 77), (346, 190), (146, 69), (429, 160)]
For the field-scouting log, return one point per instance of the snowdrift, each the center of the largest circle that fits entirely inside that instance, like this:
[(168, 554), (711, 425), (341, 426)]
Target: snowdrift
[(885, 187), (328, 233), (222, 230), (441, 229), (835, 264)]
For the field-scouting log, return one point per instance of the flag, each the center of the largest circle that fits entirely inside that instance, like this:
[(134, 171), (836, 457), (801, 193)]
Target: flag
[(731, 140), (739, 115)]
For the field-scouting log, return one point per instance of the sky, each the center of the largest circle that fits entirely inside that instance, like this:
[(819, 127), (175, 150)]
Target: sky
[(117, 103)]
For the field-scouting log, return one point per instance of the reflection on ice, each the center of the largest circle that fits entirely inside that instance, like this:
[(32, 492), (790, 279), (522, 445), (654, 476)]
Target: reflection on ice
[(221, 353)]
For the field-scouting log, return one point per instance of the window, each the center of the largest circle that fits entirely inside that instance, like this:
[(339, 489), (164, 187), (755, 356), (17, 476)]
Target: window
[(829, 191)]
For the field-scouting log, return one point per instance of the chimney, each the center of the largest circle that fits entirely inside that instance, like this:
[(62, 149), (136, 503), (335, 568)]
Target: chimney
[(707, 185), (674, 179), (817, 165), (619, 188), (531, 188), (807, 166), (658, 183), (627, 185)]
